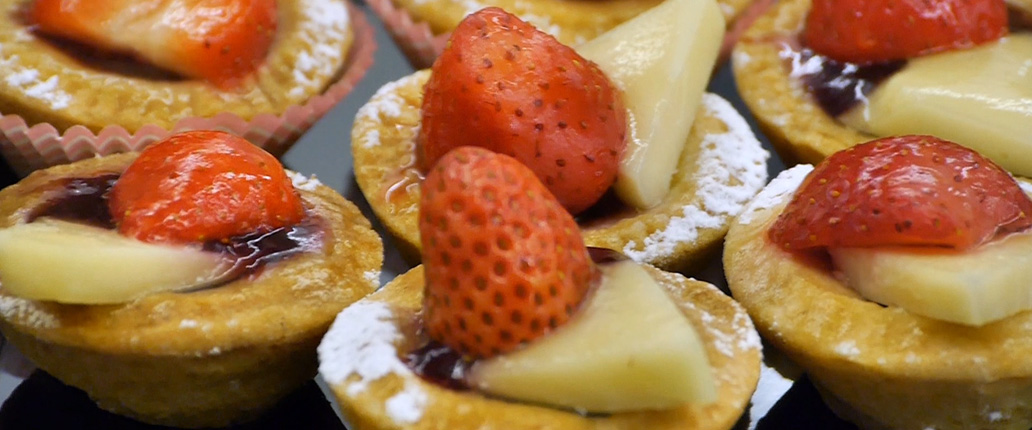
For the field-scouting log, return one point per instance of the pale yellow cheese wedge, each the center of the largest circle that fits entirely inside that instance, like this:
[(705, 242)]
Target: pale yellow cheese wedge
[(661, 60), (629, 348), (980, 98), (978, 287), (75, 263)]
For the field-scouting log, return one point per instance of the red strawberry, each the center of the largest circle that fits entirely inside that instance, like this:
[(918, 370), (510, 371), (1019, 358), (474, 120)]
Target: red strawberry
[(908, 190), (505, 263), (218, 40), (203, 185), (503, 85), (865, 31)]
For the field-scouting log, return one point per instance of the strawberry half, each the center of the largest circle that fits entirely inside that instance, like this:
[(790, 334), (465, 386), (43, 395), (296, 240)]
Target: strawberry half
[(503, 85), (866, 31), (203, 185), (908, 190), (505, 263), (217, 40)]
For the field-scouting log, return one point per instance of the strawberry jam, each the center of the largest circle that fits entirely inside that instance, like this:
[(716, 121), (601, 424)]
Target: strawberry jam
[(836, 86), (84, 200)]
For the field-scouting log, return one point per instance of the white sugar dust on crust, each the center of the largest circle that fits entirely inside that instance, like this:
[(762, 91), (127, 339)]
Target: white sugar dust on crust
[(325, 26), (25, 312), (361, 343), (387, 103), (726, 158), (1025, 186), (29, 82), (776, 192), (302, 182)]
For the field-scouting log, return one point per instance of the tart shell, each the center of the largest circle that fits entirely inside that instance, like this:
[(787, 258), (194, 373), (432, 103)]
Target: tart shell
[(421, 28), (721, 168), (38, 131), (401, 400), (881, 367), (205, 358)]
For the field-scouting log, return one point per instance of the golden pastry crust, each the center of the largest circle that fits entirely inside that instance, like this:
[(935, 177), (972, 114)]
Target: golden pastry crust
[(882, 366), (205, 358), (46, 84), (721, 167), (732, 347)]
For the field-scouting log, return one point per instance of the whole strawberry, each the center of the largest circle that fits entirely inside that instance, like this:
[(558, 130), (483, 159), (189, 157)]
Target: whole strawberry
[(503, 85), (505, 263), (903, 191), (203, 185), (865, 31)]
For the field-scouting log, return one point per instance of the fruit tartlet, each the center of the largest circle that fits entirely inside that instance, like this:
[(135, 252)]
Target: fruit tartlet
[(89, 78), (187, 285), (823, 75), (422, 28), (511, 322), (652, 166), (895, 273)]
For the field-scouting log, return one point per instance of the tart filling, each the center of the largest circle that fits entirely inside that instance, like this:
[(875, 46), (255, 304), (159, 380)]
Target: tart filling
[(893, 345), (512, 313), (362, 359), (811, 106), (48, 82), (719, 170), (211, 351)]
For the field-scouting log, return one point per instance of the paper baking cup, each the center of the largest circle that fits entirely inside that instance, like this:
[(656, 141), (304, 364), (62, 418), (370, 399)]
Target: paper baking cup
[(416, 40), (28, 148)]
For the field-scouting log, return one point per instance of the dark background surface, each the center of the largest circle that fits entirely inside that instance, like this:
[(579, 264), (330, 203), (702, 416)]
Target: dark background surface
[(42, 402)]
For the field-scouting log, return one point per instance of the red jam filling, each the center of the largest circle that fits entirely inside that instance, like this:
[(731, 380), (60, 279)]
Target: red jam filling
[(84, 200)]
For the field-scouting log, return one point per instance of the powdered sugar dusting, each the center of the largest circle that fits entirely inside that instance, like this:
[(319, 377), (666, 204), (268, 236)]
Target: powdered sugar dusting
[(730, 339), (31, 84), (385, 104), (324, 27), (25, 312), (361, 343), (777, 192), (302, 182), (407, 406), (847, 348), (732, 156), (1025, 186), (372, 277)]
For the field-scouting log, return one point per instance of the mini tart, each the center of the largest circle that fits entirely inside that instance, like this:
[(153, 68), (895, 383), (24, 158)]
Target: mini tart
[(375, 390), (422, 27), (880, 367), (206, 358), (721, 168), (798, 128), (322, 48)]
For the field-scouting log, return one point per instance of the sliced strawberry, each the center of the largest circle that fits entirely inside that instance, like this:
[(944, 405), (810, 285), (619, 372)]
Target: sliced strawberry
[(505, 263), (503, 85), (908, 190), (865, 31), (218, 40), (200, 186)]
